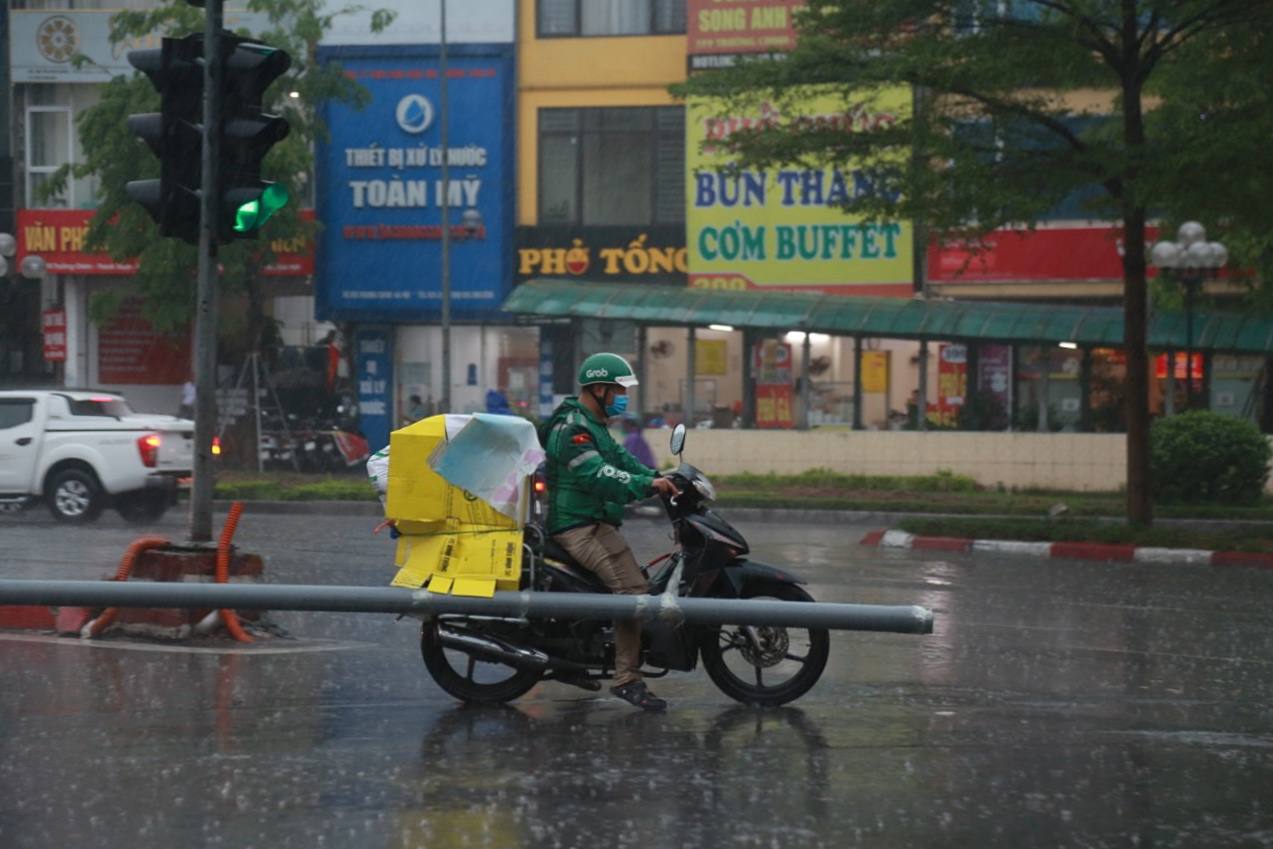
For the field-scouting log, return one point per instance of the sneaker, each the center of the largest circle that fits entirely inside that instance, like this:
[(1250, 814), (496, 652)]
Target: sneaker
[(636, 693), (580, 680)]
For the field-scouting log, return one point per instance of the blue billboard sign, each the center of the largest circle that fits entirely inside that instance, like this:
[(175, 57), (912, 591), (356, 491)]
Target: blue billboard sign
[(373, 359), (380, 185)]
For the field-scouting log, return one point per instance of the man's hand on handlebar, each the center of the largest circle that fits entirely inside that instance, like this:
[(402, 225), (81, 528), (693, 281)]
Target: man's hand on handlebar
[(665, 488)]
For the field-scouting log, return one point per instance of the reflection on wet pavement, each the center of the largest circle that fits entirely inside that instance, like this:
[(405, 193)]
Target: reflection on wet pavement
[(1057, 704)]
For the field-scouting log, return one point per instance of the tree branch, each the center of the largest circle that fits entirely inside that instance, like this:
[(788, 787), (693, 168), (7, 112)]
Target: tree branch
[(1007, 106), (1187, 29), (1101, 44)]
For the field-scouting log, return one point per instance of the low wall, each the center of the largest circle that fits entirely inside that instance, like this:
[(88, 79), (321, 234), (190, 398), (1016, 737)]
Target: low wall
[(1073, 461)]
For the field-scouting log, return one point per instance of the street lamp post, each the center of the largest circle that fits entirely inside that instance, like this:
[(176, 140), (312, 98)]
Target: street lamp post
[(8, 247), (33, 267), (1189, 260), (470, 220), (444, 118)]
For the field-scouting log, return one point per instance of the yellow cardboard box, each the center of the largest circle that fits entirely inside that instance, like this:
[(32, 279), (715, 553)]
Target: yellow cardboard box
[(451, 541), (473, 561), (419, 494)]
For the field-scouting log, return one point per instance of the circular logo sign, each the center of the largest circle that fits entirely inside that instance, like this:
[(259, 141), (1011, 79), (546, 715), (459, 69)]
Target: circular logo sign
[(414, 113), (57, 39)]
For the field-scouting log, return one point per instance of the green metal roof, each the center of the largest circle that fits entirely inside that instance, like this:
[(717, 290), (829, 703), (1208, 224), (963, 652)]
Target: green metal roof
[(884, 317)]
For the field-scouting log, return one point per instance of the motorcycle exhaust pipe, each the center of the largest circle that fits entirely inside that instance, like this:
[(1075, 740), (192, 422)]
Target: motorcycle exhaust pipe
[(494, 649)]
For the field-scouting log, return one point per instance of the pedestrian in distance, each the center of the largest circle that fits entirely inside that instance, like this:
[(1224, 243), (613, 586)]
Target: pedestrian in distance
[(186, 409), (415, 409), (634, 441), (590, 478)]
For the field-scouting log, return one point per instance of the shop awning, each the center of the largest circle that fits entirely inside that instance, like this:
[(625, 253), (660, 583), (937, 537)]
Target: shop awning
[(883, 317)]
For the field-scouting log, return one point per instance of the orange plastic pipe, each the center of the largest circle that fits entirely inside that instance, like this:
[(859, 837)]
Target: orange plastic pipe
[(229, 617), (101, 623)]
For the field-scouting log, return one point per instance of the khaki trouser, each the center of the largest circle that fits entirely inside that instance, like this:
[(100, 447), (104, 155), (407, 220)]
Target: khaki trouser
[(601, 549)]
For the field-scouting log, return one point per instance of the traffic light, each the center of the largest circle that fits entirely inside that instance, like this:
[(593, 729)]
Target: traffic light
[(247, 134), (175, 134)]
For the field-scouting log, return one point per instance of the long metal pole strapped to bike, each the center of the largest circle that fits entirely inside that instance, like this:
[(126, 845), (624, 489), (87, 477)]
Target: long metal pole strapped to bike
[(903, 619)]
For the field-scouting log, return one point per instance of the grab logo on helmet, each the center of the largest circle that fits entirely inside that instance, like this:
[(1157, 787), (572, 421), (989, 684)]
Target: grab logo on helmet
[(597, 372)]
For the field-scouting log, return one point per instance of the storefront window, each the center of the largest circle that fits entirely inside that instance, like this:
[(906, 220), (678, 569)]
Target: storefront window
[(48, 147), (1049, 388), (49, 142), (620, 166), (610, 17)]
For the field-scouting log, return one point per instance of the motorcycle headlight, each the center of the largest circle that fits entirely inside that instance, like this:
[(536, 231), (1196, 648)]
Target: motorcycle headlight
[(704, 488)]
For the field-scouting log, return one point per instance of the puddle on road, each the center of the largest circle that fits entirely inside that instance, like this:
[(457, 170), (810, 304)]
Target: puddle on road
[(281, 647)]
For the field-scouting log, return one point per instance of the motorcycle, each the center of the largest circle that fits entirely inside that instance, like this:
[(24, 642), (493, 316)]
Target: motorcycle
[(494, 659)]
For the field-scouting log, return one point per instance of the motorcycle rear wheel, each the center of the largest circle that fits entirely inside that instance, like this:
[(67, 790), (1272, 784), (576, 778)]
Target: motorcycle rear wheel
[(722, 646), (480, 681)]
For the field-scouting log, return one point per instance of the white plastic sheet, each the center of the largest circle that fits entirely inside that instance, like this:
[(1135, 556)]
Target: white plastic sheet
[(378, 470), (491, 457)]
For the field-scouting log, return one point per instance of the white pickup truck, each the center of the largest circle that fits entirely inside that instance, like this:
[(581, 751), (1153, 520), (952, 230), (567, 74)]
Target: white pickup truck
[(81, 451)]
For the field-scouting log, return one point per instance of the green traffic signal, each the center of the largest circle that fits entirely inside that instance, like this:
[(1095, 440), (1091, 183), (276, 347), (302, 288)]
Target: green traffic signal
[(176, 135), (249, 216)]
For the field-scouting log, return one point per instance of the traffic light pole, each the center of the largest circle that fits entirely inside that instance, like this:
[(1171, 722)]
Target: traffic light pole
[(206, 306)]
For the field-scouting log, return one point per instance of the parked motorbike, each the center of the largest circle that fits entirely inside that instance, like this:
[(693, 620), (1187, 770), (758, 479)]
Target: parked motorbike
[(310, 445), (492, 659)]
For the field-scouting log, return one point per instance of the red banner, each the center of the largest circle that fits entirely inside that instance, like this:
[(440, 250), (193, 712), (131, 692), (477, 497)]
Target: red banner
[(727, 28), (773, 407), (1053, 253), (54, 323), (58, 236), (1160, 366), (130, 350), (771, 365)]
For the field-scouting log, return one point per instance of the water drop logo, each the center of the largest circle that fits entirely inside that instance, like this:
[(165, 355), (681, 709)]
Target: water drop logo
[(414, 113)]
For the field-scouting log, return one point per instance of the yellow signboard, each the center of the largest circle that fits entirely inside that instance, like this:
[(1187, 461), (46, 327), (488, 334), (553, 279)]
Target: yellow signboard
[(875, 371), (785, 228), (710, 357)]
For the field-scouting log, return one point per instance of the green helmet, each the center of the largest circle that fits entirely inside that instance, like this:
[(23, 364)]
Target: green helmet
[(606, 368)]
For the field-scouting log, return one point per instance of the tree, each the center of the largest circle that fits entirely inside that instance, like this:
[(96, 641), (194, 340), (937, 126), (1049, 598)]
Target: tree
[(1218, 90), (168, 267), (1017, 106)]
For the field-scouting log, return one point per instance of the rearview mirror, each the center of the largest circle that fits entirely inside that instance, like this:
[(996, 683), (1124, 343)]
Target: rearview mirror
[(678, 439)]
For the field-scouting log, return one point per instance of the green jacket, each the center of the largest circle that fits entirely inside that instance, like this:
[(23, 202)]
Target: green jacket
[(590, 476)]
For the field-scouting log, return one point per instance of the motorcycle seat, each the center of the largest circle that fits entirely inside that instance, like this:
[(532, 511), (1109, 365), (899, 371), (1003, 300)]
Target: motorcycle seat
[(556, 557), (577, 572), (556, 552), (548, 552)]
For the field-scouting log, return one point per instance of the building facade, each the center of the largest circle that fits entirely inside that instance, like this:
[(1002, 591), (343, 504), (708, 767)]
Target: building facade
[(568, 159)]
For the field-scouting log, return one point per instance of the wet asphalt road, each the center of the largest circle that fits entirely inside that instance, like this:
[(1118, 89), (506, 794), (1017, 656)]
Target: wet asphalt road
[(1058, 704)]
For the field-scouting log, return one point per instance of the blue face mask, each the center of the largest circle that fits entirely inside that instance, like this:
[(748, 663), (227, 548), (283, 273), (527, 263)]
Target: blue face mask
[(619, 406)]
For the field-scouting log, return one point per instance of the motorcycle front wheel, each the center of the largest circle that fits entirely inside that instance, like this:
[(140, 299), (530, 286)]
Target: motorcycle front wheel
[(776, 667), (470, 679)]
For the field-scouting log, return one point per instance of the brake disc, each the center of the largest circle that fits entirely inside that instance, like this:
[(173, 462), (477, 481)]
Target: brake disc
[(768, 649)]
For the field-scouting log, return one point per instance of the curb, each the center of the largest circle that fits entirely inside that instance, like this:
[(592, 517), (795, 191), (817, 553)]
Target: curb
[(1072, 550), (810, 516), (745, 514), (301, 508)]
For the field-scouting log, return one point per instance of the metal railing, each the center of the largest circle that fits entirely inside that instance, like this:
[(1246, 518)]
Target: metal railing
[(905, 619)]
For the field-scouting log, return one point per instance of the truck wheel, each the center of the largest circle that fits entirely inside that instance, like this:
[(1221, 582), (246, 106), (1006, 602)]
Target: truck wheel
[(142, 507), (74, 495)]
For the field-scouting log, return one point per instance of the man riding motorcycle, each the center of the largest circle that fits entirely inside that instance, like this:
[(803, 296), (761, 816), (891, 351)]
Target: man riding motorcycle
[(590, 478)]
